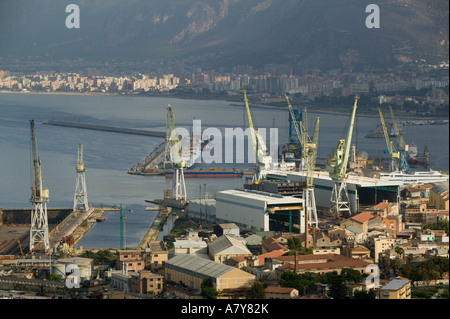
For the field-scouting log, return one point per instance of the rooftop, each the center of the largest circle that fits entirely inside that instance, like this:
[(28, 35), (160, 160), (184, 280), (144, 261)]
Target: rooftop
[(395, 284), (198, 266)]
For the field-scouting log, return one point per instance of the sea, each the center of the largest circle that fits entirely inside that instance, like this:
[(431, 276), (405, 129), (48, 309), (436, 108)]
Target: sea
[(109, 155)]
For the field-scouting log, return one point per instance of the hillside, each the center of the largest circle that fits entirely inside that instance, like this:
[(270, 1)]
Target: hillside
[(319, 33)]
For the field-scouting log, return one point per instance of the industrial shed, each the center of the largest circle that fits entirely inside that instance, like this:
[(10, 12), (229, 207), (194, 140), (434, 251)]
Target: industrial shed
[(191, 270), (260, 211)]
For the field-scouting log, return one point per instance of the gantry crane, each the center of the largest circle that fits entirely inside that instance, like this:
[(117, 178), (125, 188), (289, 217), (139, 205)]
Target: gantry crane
[(39, 199), (262, 159), (80, 196), (339, 203), (173, 151), (398, 158)]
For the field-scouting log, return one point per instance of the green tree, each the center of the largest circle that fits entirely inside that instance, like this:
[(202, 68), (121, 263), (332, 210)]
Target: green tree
[(294, 243), (362, 294), (350, 274), (338, 289), (208, 290), (257, 291)]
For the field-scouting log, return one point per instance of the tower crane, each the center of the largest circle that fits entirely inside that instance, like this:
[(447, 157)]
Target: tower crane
[(398, 158), (337, 169), (262, 160), (173, 151), (39, 199)]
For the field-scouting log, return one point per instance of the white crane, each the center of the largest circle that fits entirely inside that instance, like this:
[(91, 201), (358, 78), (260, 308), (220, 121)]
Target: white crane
[(263, 161), (39, 199)]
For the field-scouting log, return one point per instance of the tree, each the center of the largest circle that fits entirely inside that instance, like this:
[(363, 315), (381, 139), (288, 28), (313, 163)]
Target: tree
[(338, 289), (294, 243), (350, 274), (257, 291), (208, 290), (362, 294)]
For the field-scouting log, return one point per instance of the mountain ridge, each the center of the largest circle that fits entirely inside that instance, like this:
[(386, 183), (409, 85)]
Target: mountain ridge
[(322, 33)]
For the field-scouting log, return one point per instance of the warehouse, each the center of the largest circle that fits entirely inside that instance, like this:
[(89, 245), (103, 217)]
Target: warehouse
[(260, 211), (191, 270)]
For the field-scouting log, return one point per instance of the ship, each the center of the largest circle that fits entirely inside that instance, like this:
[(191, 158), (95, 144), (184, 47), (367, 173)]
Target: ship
[(415, 177), (416, 160), (212, 172), (378, 131)]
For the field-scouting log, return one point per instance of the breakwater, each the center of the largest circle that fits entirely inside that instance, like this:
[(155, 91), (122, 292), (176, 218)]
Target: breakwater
[(106, 128)]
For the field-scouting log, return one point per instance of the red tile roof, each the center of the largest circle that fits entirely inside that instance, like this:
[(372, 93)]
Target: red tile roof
[(362, 218)]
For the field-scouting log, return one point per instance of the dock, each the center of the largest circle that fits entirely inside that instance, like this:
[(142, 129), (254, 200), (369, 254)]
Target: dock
[(149, 164), (155, 227), (106, 128)]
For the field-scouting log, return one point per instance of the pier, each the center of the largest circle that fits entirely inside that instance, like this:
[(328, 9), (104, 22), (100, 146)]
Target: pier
[(106, 128)]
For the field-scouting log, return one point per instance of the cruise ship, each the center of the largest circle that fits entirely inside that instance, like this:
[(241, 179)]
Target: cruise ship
[(415, 177)]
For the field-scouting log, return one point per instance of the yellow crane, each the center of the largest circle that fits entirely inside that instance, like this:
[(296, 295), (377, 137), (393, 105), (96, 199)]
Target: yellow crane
[(308, 164), (398, 158), (401, 145), (262, 159), (173, 153), (337, 169)]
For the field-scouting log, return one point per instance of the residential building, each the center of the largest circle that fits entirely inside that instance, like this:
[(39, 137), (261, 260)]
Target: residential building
[(145, 282), (130, 259), (399, 288), (381, 244)]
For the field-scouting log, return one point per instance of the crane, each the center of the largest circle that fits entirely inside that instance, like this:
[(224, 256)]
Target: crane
[(398, 158), (173, 154), (301, 134), (401, 145), (337, 169), (308, 163), (262, 160), (39, 199), (80, 196)]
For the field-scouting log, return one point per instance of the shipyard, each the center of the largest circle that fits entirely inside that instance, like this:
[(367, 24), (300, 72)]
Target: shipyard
[(289, 196), (204, 155)]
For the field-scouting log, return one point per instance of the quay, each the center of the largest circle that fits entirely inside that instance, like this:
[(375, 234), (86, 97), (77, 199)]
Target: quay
[(106, 128), (155, 227)]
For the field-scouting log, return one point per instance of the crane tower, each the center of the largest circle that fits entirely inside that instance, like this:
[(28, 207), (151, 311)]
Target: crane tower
[(39, 199), (80, 197), (337, 169)]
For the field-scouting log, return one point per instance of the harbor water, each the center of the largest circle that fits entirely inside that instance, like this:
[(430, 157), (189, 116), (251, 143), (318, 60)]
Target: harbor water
[(109, 155)]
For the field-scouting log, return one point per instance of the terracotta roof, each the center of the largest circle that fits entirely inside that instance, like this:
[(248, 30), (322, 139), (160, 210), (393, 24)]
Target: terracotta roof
[(382, 205), (275, 253), (362, 218), (333, 261)]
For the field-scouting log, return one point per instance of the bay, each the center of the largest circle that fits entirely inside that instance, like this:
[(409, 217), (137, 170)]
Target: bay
[(109, 155)]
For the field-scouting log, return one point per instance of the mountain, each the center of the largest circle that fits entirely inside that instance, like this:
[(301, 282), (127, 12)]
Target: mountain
[(319, 33)]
